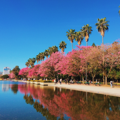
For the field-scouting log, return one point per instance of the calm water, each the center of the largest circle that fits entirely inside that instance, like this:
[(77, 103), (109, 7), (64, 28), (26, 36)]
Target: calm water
[(19, 101)]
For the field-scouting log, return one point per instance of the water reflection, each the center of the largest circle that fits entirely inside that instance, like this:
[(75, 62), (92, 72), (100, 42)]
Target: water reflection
[(5, 87), (55, 103), (14, 88)]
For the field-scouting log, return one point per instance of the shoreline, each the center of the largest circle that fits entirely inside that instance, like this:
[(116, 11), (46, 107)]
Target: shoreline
[(80, 87)]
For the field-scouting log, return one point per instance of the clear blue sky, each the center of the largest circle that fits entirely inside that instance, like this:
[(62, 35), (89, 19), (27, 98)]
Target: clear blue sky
[(28, 27)]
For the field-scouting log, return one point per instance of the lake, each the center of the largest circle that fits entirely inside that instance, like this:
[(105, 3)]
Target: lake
[(21, 101)]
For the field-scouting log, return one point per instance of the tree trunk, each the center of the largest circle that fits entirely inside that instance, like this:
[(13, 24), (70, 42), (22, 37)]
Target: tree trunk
[(79, 42), (102, 40), (105, 80), (86, 63), (103, 61), (83, 79), (93, 78), (62, 50), (72, 44)]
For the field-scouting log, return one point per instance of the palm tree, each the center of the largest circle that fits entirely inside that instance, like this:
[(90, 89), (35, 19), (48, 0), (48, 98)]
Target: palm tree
[(102, 26), (54, 49), (42, 56), (27, 64), (38, 57), (71, 35), (46, 53), (62, 46), (86, 30), (32, 61), (79, 37), (50, 50)]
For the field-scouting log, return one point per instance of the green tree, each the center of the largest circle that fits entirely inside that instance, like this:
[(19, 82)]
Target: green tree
[(16, 70), (62, 46), (71, 35), (93, 45), (4, 76), (79, 37)]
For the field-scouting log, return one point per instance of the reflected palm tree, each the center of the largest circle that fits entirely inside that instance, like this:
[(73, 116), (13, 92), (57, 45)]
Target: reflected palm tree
[(29, 99)]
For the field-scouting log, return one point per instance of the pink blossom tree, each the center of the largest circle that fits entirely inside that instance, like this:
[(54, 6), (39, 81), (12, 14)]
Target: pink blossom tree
[(47, 67), (74, 63), (33, 72), (24, 72), (11, 75)]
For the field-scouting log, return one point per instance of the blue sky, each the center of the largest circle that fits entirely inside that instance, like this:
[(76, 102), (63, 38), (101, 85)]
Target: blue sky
[(28, 27)]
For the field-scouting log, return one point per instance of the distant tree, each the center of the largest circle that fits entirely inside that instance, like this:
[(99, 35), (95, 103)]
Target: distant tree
[(93, 45), (16, 70), (5, 76)]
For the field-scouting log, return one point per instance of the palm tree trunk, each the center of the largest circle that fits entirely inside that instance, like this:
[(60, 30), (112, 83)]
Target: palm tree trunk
[(102, 40), (103, 61), (72, 45), (86, 63)]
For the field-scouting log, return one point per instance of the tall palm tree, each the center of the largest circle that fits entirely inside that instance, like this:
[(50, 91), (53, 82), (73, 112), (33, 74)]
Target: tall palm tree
[(62, 46), (46, 53), (71, 35), (79, 37), (102, 26), (86, 30)]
